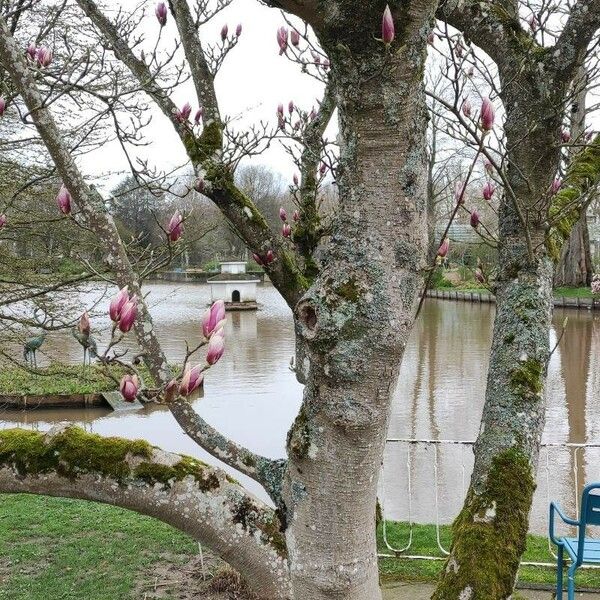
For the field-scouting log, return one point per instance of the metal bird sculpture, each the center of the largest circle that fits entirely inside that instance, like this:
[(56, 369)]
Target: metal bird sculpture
[(82, 333), (31, 346)]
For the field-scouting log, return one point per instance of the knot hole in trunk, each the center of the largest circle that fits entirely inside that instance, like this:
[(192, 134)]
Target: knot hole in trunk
[(307, 317)]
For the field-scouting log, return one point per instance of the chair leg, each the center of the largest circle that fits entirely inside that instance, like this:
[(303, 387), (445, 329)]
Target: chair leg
[(571, 582), (559, 574)]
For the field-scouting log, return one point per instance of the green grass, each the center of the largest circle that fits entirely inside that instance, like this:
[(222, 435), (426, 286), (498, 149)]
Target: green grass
[(561, 292), (62, 379), (573, 292), (69, 549)]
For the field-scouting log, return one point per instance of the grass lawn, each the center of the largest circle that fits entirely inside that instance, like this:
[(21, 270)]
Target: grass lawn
[(561, 292), (68, 549), (62, 379)]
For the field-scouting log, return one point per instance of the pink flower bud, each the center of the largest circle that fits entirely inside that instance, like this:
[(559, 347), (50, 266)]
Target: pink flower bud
[(387, 26), (117, 304), (175, 226), (63, 200), (129, 387), (460, 188), (565, 136), (533, 23), (44, 56), (257, 259), (184, 113), (466, 108), (191, 380), (294, 37), (487, 114), (291, 106), (238, 30), (3, 220), (475, 220), (316, 57), (488, 166), (213, 318), (431, 38), (84, 325), (32, 51), (280, 109), (322, 168), (216, 347), (269, 257), (470, 71), (161, 13), (282, 39), (128, 315), (198, 116), (224, 32), (459, 50), (296, 216), (313, 114), (326, 63), (556, 185), (296, 180), (282, 214), (488, 190), (286, 230), (2, 105), (443, 249), (199, 185)]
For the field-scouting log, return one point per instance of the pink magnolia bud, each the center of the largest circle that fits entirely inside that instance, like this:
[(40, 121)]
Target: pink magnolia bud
[(387, 26), (460, 188), (282, 214), (117, 304), (63, 200), (475, 220), (488, 166), (199, 185), (198, 115), (556, 185), (84, 325), (286, 230), (184, 113), (296, 216), (459, 50), (316, 57), (44, 56), (313, 114), (322, 168), (128, 315), (175, 226), (296, 180), (32, 51), (238, 30), (565, 136), (280, 109), (291, 106), (257, 259), (216, 347), (488, 190), (487, 114), (282, 39), (3, 220), (533, 23), (466, 108), (224, 32), (129, 387), (431, 38), (161, 13), (294, 37), (444, 247), (191, 380), (2, 105), (213, 318), (269, 257), (326, 63)]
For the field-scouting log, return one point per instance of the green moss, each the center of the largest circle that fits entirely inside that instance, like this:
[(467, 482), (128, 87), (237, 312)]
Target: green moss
[(490, 533), (349, 290), (153, 473), (204, 148), (298, 441), (527, 378)]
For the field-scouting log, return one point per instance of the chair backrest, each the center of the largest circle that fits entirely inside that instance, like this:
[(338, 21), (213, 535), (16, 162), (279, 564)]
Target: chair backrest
[(590, 505)]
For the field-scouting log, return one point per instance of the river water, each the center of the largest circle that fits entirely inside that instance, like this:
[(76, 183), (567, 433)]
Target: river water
[(251, 395)]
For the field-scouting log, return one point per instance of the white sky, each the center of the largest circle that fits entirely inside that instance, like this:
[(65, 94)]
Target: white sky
[(252, 81)]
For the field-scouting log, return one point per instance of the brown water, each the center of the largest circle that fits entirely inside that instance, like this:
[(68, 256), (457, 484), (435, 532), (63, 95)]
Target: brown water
[(252, 396)]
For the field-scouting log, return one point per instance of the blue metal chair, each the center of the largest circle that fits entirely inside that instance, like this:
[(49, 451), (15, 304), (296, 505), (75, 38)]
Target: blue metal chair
[(580, 549)]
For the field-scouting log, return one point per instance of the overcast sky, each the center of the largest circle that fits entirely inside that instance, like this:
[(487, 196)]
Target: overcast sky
[(253, 80)]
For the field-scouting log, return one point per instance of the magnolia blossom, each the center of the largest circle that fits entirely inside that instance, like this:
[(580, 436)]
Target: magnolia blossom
[(294, 37), (488, 190), (63, 200), (322, 168), (282, 214), (224, 32), (286, 230), (487, 114), (459, 191), (213, 319), (565, 136), (216, 347), (84, 325), (161, 13), (191, 380), (198, 115), (475, 220), (296, 216), (556, 185), (238, 30), (387, 26), (3, 220), (291, 106), (269, 256), (431, 38), (2, 105), (129, 387), (117, 304), (296, 180), (175, 226), (466, 108), (444, 247), (533, 23), (128, 315), (258, 259), (32, 51), (184, 113), (282, 39), (44, 56)]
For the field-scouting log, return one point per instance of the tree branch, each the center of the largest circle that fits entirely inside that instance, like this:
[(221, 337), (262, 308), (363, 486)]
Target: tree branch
[(197, 499)]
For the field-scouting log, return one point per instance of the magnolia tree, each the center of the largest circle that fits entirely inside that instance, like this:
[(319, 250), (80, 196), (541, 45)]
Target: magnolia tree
[(352, 282)]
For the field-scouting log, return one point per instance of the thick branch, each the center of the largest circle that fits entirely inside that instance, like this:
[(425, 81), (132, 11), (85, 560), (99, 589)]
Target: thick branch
[(267, 472), (179, 490), (89, 202)]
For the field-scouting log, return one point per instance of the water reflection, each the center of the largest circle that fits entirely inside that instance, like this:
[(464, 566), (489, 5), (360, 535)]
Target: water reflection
[(253, 397)]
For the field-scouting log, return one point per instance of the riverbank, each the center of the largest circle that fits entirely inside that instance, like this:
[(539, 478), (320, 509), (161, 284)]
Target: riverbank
[(58, 548)]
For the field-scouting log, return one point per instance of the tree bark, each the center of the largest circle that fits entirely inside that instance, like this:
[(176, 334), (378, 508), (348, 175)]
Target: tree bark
[(575, 266)]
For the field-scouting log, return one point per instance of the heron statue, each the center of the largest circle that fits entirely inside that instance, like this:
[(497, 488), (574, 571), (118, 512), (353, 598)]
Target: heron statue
[(82, 333), (31, 346)]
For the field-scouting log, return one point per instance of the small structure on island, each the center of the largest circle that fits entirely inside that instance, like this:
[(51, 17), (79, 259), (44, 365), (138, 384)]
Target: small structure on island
[(234, 286)]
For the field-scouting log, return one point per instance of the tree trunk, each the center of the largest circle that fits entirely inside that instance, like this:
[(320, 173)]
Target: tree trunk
[(575, 266), (355, 319)]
